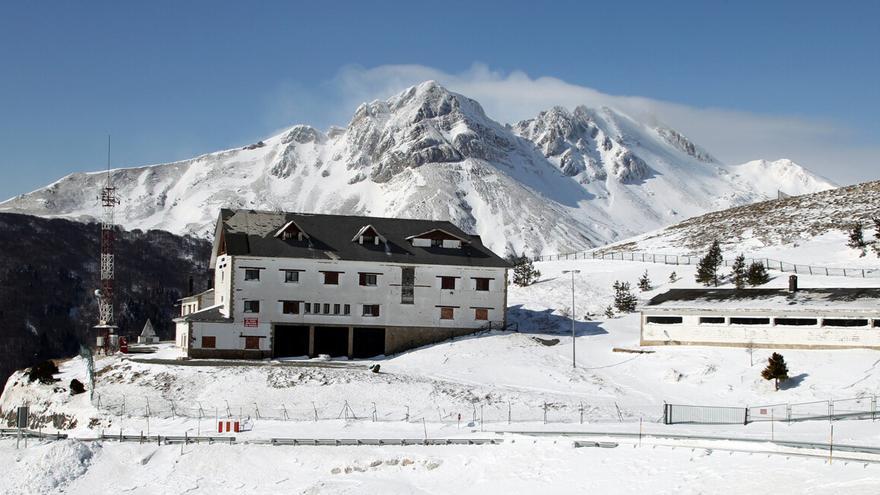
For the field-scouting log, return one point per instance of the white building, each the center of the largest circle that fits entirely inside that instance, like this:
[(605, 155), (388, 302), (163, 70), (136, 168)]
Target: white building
[(768, 318), (290, 284)]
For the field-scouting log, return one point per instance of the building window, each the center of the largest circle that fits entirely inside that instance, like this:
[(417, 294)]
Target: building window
[(447, 283), (876, 323), (252, 306), (308, 308), (326, 308), (346, 309), (793, 322), (482, 284), (331, 278), (368, 279), (711, 320), (251, 274), (750, 321), (251, 342), (446, 312), (407, 285), (291, 276), (665, 320), (336, 308), (840, 322), (290, 307), (481, 314), (371, 310), (209, 342), (436, 242)]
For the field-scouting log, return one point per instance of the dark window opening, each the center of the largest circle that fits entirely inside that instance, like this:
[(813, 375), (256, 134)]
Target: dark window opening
[(251, 274), (368, 279), (447, 283), (876, 323), (336, 308), (711, 320), (749, 321), (252, 306), (482, 283), (841, 322), (209, 342), (481, 314), (368, 342), (251, 342), (446, 313), (332, 341), (308, 308), (290, 307), (371, 310), (326, 308), (290, 341), (665, 320), (407, 282), (796, 322), (291, 276), (331, 278), (346, 309), (436, 242)]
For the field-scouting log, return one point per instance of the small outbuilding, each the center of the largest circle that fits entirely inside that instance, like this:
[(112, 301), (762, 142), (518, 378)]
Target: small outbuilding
[(148, 335), (808, 318)]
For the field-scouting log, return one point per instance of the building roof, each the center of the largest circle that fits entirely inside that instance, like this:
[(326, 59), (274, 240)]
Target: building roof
[(208, 314), (329, 237), (848, 298)]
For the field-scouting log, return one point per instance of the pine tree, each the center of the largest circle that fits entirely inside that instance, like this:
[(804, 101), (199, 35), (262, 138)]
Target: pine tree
[(776, 369), (707, 269), (757, 274), (624, 299), (645, 282), (673, 278), (609, 311), (524, 272), (877, 236), (739, 271), (857, 238)]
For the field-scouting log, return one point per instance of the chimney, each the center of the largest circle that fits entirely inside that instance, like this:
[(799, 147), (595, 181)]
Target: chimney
[(792, 283)]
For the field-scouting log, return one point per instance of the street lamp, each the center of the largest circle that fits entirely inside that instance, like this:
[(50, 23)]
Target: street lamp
[(572, 272)]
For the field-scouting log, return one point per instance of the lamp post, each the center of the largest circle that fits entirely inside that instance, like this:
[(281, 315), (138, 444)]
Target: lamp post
[(572, 272)]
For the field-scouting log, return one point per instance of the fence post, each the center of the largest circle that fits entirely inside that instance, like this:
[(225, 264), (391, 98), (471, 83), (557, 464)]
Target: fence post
[(581, 408), (508, 412), (545, 412)]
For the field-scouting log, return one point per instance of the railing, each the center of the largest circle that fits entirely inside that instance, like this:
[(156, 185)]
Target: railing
[(687, 259)]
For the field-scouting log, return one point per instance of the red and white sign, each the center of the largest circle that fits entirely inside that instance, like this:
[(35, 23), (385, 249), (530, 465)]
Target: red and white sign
[(251, 322)]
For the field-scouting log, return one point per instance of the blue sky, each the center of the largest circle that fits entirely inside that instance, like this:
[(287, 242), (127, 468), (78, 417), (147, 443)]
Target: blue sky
[(170, 80)]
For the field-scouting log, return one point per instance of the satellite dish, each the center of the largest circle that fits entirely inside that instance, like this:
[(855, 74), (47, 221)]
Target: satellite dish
[(98, 293)]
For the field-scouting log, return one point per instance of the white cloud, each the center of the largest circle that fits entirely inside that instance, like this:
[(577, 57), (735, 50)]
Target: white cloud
[(826, 147)]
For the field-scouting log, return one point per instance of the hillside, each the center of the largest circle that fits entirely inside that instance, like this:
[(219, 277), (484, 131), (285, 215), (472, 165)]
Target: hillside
[(811, 228), (49, 271), (564, 180)]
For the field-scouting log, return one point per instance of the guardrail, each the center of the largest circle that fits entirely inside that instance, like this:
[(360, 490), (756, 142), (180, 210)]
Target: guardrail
[(14, 432), (687, 259)]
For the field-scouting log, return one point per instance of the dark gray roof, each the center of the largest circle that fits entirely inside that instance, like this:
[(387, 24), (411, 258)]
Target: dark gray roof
[(860, 298), (252, 233), (209, 314)]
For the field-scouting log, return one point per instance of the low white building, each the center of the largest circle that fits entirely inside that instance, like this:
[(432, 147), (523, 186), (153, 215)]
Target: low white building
[(290, 284), (828, 318)]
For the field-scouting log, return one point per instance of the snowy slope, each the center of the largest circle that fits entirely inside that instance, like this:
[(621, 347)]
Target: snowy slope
[(562, 181)]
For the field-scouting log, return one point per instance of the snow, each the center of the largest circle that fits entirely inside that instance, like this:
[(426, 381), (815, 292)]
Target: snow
[(429, 153)]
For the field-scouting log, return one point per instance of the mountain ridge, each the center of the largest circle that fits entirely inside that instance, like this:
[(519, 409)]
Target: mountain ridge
[(560, 181)]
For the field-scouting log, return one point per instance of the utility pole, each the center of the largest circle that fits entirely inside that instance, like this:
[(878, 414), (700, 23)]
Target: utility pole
[(572, 272)]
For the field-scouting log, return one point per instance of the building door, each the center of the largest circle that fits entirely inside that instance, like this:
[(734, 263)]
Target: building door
[(332, 341), (368, 342), (290, 340)]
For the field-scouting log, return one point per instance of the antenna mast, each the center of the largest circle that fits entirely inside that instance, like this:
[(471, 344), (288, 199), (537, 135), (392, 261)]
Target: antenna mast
[(106, 320)]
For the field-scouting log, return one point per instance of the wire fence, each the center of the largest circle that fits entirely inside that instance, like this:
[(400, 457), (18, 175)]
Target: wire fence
[(864, 407), (686, 259), (473, 413)]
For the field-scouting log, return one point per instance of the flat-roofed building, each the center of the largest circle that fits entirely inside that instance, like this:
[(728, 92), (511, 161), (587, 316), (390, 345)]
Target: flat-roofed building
[(812, 318)]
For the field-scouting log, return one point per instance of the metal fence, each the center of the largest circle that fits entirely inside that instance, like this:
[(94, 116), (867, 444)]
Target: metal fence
[(864, 407), (687, 259)]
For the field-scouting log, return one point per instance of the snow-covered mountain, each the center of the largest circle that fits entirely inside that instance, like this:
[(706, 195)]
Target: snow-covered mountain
[(561, 181)]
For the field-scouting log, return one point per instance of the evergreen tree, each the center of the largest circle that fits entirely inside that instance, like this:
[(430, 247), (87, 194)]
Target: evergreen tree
[(707, 269), (624, 299), (776, 369), (857, 238), (524, 272), (757, 274), (609, 311), (877, 236), (673, 278), (739, 271), (645, 282)]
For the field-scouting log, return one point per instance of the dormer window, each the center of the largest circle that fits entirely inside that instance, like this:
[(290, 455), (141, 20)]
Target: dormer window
[(438, 238), (291, 231), (368, 235)]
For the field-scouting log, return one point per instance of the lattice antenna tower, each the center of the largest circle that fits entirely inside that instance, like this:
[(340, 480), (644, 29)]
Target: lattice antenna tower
[(109, 200)]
